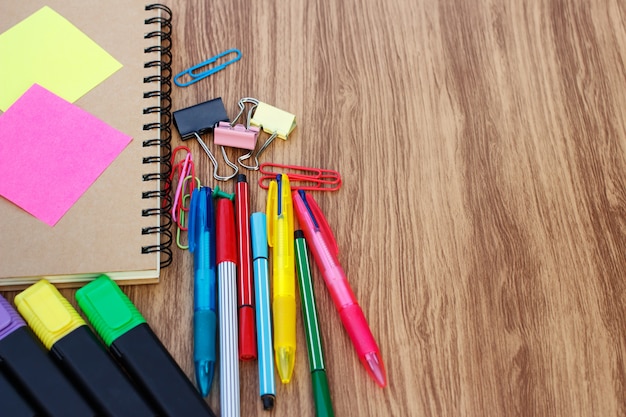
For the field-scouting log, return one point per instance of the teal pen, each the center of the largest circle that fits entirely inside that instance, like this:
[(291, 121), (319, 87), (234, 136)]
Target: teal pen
[(321, 392), (267, 384)]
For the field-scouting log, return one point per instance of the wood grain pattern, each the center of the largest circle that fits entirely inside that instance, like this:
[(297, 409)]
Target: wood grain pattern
[(482, 218)]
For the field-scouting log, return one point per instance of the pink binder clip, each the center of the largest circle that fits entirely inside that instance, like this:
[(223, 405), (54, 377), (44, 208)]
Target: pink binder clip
[(236, 136)]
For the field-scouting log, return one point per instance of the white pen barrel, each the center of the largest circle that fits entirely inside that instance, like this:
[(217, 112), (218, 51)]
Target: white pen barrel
[(229, 350)]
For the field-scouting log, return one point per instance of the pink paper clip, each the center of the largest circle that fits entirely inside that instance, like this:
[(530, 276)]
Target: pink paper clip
[(173, 171), (236, 136), (184, 169), (301, 178)]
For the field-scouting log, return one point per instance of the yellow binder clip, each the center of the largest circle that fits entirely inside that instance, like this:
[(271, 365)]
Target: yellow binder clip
[(273, 120), (276, 122)]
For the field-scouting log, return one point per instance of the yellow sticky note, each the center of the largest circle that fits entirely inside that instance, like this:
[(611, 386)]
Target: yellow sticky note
[(45, 48)]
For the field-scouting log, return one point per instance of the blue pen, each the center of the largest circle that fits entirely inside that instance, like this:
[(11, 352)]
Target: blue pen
[(267, 386), (202, 244)]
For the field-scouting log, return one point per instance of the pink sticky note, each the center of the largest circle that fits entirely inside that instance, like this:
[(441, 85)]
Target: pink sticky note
[(51, 151)]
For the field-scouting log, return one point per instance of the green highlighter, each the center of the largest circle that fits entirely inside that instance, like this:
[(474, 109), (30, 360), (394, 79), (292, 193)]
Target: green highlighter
[(133, 343), (321, 393)]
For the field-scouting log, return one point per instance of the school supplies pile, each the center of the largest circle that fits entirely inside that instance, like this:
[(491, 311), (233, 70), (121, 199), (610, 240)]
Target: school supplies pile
[(231, 251), (94, 218), (231, 264)]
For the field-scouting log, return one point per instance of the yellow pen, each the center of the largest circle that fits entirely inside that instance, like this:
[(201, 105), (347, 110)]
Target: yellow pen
[(279, 211)]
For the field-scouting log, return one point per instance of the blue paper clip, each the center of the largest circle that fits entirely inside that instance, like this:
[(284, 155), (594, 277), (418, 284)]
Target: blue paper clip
[(195, 75)]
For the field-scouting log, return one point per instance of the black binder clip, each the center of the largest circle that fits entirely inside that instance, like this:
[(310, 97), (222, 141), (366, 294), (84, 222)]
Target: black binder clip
[(200, 119)]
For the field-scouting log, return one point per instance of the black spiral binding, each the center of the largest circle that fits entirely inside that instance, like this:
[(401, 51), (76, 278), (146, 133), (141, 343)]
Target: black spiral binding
[(163, 79)]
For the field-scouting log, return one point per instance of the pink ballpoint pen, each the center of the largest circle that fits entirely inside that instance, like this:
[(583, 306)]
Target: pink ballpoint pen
[(324, 249)]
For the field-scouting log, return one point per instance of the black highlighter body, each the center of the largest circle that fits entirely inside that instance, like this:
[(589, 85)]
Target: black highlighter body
[(12, 401), (87, 362), (26, 361), (145, 358)]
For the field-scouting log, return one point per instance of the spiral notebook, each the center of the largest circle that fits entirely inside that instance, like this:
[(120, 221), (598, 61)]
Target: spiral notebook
[(120, 225)]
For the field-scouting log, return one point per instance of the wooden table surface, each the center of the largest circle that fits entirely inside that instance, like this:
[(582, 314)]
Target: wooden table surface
[(482, 217)]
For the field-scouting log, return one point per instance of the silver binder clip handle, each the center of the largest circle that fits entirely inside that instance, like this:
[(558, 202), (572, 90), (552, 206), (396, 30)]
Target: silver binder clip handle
[(214, 161)]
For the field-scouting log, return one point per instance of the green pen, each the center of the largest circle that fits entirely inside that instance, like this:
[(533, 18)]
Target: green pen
[(321, 393)]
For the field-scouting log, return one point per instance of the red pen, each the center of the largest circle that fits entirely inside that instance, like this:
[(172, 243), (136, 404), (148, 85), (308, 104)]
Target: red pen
[(245, 284), (324, 248)]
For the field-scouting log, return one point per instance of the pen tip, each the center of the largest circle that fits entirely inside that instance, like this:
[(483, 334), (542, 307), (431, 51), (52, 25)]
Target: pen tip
[(285, 360), (376, 368), (204, 376)]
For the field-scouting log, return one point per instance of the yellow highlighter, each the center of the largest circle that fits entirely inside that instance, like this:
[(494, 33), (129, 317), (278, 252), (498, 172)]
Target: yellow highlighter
[(279, 211), (76, 349)]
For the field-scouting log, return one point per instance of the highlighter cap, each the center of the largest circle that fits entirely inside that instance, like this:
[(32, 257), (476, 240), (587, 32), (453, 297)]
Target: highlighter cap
[(10, 320), (259, 235), (109, 310), (47, 312)]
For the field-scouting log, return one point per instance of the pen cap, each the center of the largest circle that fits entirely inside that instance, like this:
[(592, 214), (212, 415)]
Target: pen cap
[(10, 320), (247, 345), (47, 312), (225, 229), (259, 235), (109, 310)]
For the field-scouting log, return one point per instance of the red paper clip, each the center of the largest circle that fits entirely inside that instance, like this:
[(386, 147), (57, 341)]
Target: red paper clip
[(182, 169), (301, 178)]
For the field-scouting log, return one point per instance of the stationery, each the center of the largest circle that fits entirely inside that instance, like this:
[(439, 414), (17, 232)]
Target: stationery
[(82, 147), (25, 361), (199, 119), (324, 248), (227, 297), (321, 393), (276, 122), (245, 284), (119, 224), (202, 245), (34, 43), (77, 351), (273, 120), (301, 178), (134, 345), (206, 68), (267, 386), (280, 238)]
